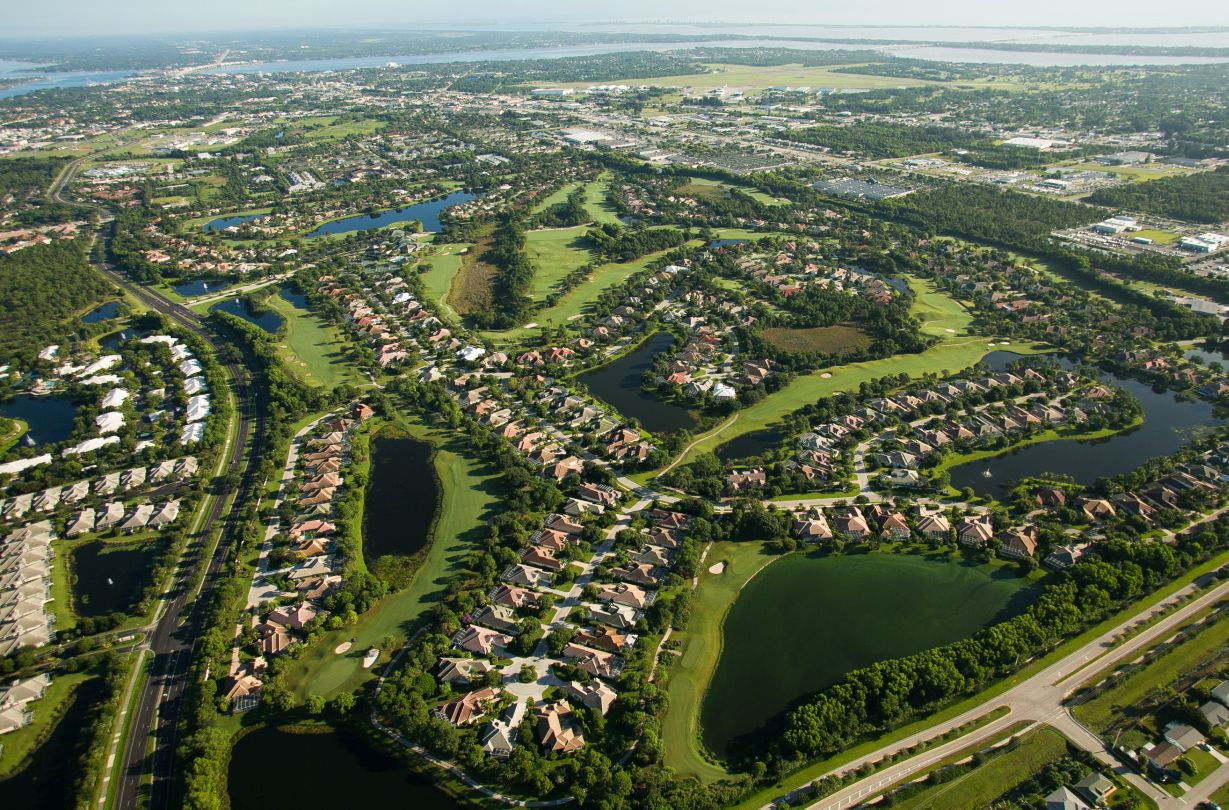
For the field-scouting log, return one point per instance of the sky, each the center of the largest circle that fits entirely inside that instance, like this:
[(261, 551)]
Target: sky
[(84, 17)]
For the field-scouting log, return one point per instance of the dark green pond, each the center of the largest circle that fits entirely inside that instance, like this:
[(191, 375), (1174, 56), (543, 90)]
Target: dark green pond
[(45, 783), (110, 578), (401, 498), (349, 774), (803, 622), (618, 383)]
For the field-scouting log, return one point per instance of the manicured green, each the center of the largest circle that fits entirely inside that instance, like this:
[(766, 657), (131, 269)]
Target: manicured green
[(312, 348), (444, 267), (469, 497), (555, 253)]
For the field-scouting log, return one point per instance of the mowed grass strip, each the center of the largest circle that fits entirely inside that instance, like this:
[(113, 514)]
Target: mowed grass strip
[(444, 267), (827, 339), (699, 648), (1099, 713), (982, 785)]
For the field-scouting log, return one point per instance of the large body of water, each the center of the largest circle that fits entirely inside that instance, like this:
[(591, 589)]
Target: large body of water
[(43, 784), (804, 622), (618, 383), (822, 38), (221, 223), (1169, 424), (266, 319), (401, 500), (428, 213), (353, 773), (110, 579), (50, 419)]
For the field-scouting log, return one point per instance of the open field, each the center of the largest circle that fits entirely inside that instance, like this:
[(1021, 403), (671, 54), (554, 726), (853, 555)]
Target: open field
[(827, 339), (470, 288), (1100, 712), (1159, 237), (753, 79), (470, 495), (715, 189), (47, 711), (312, 349), (982, 785)]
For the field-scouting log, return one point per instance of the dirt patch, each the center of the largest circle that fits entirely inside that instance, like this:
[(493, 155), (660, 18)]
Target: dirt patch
[(838, 339)]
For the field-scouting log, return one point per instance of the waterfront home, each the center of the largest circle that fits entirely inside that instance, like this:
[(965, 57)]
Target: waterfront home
[(850, 523), (1019, 542), (974, 531), (499, 737), (934, 526)]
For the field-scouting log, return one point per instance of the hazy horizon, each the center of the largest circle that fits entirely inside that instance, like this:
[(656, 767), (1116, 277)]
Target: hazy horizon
[(76, 18)]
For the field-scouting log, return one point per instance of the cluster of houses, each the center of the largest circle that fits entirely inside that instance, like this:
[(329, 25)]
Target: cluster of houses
[(25, 587), (545, 426), (132, 480), (798, 266), (116, 515), (822, 451), (17, 701), (597, 643), (1178, 738), (193, 385), (296, 592)]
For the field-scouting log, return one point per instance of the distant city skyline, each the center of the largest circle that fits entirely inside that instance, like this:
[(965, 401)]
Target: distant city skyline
[(89, 17)]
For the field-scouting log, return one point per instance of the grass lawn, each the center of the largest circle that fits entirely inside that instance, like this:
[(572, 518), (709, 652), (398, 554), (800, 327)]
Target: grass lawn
[(470, 496), (1099, 713), (1204, 764), (827, 339), (10, 431), (752, 78), (1160, 237), (981, 786), (699, 648), (19, 744), (312, 347), (555, 253)]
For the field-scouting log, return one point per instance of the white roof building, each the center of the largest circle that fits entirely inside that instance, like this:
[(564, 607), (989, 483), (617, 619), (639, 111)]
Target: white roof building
[(109, 422)]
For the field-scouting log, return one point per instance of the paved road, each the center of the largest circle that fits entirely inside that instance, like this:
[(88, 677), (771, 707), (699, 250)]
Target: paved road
[(149, 747), (1040, 699), (173, 639)]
